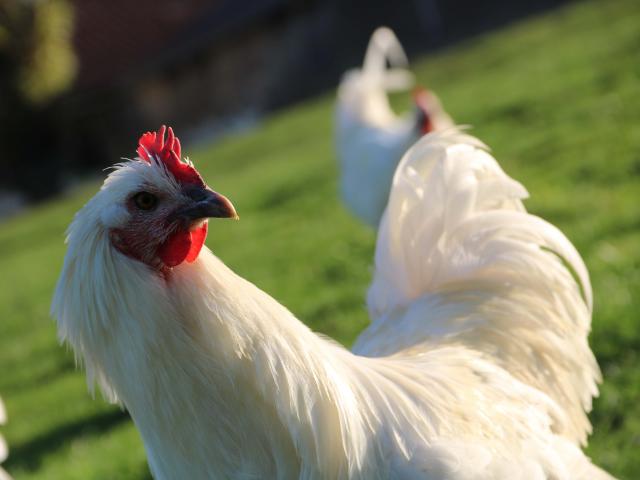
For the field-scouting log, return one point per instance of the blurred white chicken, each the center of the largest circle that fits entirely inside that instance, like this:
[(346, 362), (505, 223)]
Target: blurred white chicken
[(224, 382), (4, 451), (370, 137)]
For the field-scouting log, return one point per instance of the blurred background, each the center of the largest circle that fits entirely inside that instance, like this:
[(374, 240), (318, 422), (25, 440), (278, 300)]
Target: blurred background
[(249, 86), (79, 77)]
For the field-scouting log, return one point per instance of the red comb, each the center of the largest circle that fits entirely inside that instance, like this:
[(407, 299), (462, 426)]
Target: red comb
[(421, 99), (420, 95), (153, 144)]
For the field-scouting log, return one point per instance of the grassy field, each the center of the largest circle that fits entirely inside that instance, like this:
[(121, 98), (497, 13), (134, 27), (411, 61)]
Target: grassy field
[(557, 97)]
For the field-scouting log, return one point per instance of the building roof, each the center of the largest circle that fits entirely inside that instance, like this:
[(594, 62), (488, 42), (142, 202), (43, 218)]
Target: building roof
[(113, 37)]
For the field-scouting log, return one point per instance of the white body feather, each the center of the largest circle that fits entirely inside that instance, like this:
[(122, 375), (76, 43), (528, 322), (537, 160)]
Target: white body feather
[(224, 382), (4, 451), (460, 261), (370, 137)]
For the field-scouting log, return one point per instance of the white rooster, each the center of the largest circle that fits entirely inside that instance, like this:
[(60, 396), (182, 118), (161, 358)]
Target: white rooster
[(4, 451), (370, 137), (224, 382)]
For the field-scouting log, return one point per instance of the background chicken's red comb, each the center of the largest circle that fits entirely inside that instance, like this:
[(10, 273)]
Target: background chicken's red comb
[(420, 94), (153, 144), (421, 99)]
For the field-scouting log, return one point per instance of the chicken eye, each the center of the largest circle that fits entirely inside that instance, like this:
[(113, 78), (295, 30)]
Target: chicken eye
[(145, 200)]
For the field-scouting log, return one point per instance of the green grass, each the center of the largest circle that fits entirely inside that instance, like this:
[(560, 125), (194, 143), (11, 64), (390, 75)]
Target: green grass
[(557, 98)]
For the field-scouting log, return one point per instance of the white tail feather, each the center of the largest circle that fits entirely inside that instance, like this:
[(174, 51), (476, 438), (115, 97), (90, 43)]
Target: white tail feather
[(460, 261), (384, 46), (363, 92), (385, 64)]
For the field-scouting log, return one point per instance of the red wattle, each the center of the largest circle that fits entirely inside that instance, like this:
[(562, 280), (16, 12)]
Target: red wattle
[(420, 97), (183, 245), (198, 237)]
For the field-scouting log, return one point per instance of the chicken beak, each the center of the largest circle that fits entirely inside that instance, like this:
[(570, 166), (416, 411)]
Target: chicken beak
[(207, 204)]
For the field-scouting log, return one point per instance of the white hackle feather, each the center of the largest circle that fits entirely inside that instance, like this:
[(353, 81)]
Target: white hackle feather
[(224, 382), (459, 261), (370, 137), (4, 450)]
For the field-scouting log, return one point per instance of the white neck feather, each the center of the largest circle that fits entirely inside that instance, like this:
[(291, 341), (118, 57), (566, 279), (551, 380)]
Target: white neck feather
[(205, 340)]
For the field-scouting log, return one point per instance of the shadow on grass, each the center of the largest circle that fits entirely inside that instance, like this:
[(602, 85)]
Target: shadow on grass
[(29, 455), (147, 474), (60, 368)]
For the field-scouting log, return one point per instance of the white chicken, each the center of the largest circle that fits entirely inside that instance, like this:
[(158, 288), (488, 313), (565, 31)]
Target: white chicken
[(370, 137), (4, 451), (224, 382)]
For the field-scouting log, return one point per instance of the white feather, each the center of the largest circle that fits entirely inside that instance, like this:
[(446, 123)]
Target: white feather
[(4, 450), (224, 382), (370, 137), (460, 261)]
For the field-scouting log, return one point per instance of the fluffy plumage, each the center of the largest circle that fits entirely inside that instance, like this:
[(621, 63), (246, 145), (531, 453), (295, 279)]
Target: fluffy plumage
[(4, 451), (460, 261), (370, 137), (224, 382)]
